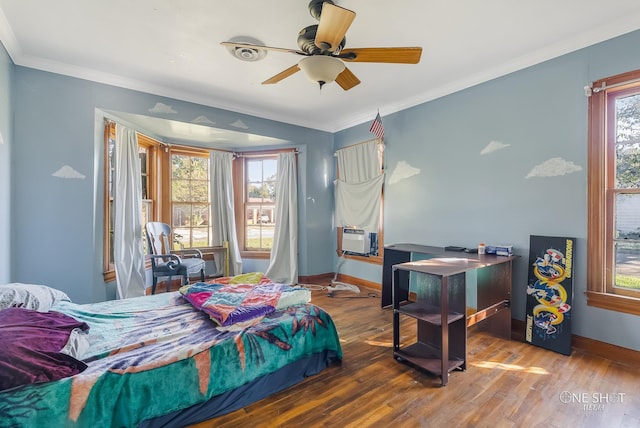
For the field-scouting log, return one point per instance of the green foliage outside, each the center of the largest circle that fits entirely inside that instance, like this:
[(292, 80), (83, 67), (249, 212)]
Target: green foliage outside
[(628, 142), (266, 190), (190, 197), (628, 281), (627, 174), (267, 242)]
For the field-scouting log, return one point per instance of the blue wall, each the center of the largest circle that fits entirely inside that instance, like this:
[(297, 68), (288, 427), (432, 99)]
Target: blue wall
[(6, 73), (58, 221), (463, 197), (459, 196)]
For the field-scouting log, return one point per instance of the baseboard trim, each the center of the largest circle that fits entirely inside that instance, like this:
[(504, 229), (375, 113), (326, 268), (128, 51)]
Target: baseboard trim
[(595, 347), (326, 278), (321, 279), (347, 279)]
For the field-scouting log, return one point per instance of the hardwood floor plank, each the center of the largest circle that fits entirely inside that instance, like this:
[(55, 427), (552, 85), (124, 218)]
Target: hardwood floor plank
[(508, 383)]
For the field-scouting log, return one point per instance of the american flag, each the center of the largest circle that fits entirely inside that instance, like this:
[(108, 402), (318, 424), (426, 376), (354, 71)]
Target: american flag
[(377, 128)]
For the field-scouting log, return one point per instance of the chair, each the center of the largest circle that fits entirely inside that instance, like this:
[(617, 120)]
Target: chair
[(166, 262)]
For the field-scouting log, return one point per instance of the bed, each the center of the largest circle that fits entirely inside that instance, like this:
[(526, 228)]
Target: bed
[(164, 360)]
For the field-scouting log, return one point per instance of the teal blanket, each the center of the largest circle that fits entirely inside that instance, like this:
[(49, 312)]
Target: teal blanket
[(150, 356)]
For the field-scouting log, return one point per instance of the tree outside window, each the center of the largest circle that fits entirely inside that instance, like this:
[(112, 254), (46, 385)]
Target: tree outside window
[(190, 201)]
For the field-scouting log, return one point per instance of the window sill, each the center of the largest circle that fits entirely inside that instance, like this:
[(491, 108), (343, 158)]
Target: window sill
[(376, 260), (255, 254), (613, 302), (109, 276)]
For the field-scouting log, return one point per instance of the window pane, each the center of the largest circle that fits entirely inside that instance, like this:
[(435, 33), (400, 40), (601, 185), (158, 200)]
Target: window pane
[(627, 265), (200, 236), (627, 216), (145, 191), (627, 243), (180, 166), (259, 237), (628, 142), (181, 238), (142, 153), (181, 215), (199, 215), (260, 203), (146, 209), (112, 222), (180, 190), (111, 148), (199, 168), (200, 191), (254, 171), (190, 200)]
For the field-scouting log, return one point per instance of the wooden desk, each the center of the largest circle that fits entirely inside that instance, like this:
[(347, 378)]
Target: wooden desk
[(441, 308)]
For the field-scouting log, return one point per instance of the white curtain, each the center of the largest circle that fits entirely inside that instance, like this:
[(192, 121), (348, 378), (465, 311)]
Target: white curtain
[(223, 218), (127, 209), (283, 265), (360, 162), (358, 189), (358, 204)]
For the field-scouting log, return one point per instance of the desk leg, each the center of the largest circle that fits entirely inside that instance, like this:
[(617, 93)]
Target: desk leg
[(395, 277), (444, 302)]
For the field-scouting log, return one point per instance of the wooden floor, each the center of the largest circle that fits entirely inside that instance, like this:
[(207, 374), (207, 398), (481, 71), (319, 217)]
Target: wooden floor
[(506, 384)]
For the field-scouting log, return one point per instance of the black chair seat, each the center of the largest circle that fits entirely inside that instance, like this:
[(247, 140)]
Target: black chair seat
[(189, 267)]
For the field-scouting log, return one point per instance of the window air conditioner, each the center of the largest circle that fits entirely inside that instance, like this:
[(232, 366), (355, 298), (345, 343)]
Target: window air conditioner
[(356, 241)]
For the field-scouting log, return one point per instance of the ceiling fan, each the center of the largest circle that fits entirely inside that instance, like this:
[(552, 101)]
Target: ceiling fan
[(322, 46)]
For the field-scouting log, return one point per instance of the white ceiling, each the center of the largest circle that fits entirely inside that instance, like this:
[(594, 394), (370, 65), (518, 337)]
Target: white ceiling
[(172, 48)]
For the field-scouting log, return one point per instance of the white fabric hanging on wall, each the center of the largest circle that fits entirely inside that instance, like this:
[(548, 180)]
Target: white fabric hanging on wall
[(127, 207), (358, 204), (283, 265), (223, 220), (360, 162), (359, 187)]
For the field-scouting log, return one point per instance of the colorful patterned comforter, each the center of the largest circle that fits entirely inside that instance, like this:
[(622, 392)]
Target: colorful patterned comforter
[(229, 304), (149, 356)]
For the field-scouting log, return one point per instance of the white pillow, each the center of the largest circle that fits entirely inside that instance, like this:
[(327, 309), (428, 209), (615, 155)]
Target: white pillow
[(30, 296)]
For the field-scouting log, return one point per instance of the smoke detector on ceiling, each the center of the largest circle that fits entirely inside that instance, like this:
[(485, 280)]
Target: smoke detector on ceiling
[(247, 53)]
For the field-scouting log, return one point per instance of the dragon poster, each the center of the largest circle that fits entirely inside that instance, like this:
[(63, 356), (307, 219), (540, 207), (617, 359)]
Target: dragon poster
[(550, 293)]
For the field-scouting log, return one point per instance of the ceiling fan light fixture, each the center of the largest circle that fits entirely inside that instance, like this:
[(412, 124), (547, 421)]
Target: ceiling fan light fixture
[(321, 69)]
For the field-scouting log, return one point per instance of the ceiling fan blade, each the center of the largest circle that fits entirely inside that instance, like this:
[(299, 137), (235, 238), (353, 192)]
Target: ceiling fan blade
[(406, 55), (282, 75), (260, 47), (347, 79), (334, 23)]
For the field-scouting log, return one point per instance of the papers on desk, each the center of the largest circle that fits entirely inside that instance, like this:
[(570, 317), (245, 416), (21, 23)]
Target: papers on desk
[(500, 250)]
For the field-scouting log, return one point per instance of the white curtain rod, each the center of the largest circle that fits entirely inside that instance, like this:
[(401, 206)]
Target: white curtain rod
[(590, 89), (241, 154), (357, 144)]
